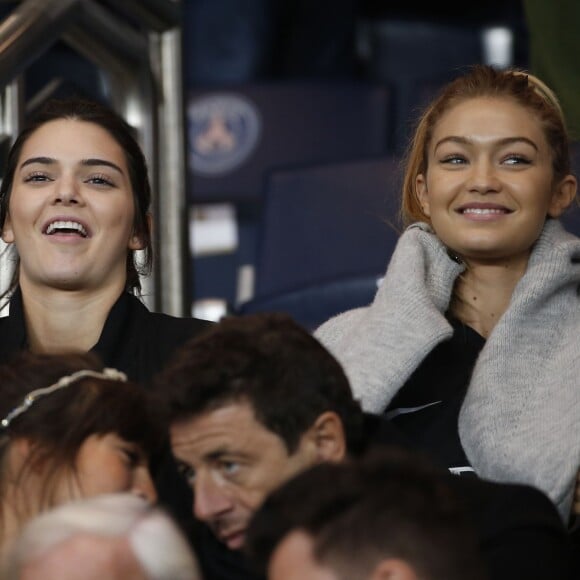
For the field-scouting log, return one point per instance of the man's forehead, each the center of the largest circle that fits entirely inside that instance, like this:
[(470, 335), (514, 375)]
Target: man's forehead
[(230, 411), (229, 425)]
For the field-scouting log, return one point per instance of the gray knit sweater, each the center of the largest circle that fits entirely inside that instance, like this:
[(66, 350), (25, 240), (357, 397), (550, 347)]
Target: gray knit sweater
[(520, 420)]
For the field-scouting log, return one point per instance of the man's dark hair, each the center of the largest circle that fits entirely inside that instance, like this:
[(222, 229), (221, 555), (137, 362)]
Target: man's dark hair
[(389, 504), (269, 361)]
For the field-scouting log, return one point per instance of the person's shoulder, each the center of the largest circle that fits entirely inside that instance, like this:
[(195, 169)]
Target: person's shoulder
[(519, 529), (165, 330), (185, 326), (509, 503), (162, 320)]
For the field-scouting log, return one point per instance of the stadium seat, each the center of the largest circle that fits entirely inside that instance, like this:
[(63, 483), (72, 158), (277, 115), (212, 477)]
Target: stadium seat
[(312, 305), (325, 222)]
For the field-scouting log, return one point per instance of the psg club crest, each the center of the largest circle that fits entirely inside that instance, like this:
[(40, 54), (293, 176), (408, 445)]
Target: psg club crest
[(224, 130)]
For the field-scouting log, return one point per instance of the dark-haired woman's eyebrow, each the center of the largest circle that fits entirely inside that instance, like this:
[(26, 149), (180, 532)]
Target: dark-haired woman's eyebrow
[(93, 162), (98, 162), (41, 160)]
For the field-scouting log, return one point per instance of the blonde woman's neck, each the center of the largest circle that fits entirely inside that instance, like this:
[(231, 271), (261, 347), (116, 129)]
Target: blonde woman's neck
[(483, 293)]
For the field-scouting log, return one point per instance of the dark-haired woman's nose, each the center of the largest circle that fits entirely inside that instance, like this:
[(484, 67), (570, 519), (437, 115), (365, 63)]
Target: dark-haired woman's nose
[(67, 192), (143, 485)]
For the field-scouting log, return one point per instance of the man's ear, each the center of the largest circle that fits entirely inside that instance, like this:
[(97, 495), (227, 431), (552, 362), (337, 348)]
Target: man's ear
[(393, 569), (563, 196), (422, 195), (329, 437)]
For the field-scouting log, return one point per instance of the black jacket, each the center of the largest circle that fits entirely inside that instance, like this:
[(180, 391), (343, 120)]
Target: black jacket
[(519, 530), (134, 340)]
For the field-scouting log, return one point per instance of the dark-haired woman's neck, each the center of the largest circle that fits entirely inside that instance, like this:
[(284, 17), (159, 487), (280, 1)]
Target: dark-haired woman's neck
[(60, 321)]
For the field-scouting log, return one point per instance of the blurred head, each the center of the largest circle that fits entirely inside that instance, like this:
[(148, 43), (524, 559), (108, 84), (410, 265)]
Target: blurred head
[(484, 82), (94, 436), (388, 515), (97, 115), (252, 401), (115, 536)]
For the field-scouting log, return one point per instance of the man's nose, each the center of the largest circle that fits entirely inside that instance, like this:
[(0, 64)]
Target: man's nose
[(210, 498)]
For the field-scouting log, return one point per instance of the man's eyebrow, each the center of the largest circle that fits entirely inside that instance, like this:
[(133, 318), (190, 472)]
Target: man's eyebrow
[(93, 162), (219, 453)]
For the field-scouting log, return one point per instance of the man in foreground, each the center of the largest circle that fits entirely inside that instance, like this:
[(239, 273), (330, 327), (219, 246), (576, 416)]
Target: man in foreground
[(384, 517)]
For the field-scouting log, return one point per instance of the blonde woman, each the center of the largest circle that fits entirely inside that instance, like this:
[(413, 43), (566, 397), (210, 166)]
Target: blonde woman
[(471, 343)]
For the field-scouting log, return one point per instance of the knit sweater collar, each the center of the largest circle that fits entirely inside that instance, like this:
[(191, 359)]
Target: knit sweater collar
[(523, 401)]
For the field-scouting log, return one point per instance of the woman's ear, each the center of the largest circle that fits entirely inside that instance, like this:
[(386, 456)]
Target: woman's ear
[(563, 196), (18, 454), (7, 232), (22, 447), (137, 241), (422, 195)]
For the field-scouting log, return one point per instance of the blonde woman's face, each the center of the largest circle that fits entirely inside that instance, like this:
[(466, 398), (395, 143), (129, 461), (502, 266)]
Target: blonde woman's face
[(489, 184)]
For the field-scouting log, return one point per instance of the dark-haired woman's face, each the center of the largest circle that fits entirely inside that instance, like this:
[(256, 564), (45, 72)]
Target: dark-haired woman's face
[(71, 210), (110, 464)]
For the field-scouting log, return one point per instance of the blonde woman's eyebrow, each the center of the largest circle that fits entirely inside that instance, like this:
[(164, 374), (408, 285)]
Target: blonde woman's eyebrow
[(501, 142)]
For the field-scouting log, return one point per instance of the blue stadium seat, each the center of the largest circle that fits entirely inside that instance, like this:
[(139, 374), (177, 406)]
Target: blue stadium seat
[(237, 134), (415, 59), (325, 222), (571, 217), (312, 305)]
